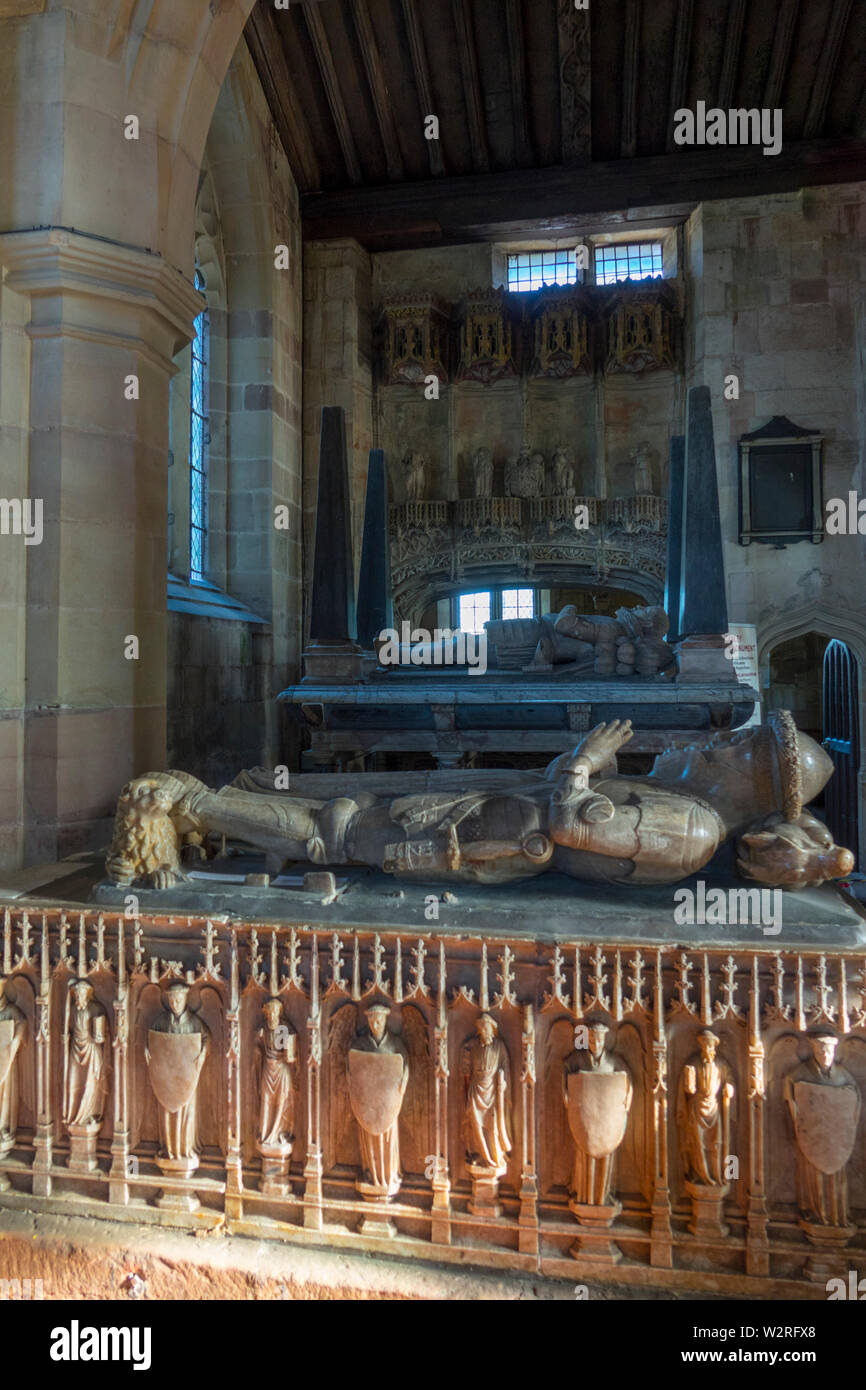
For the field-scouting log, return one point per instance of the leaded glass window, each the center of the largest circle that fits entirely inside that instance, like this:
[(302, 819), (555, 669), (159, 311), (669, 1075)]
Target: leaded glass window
[(630, 260), (199, 439)]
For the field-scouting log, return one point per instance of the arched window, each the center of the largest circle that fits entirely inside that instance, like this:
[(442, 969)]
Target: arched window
[(199, 438)]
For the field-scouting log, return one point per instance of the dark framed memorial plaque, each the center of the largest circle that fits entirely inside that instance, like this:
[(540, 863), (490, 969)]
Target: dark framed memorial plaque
[(781, 485)]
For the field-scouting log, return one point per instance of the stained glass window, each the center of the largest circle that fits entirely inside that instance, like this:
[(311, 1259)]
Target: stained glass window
[(630, 260), (199, 439)]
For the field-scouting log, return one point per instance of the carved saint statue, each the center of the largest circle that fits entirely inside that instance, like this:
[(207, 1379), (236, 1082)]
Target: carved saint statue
[(536, 475), (486, 1117), (378, 1076), (823, 1099), (85, 1060), (524, 476), (12, 1029), (703, 1113), (597, 1092), (414, 473), (482, 470), (177, 1047), (277, 1042), (579, 817), (563, 474), (641, 459)]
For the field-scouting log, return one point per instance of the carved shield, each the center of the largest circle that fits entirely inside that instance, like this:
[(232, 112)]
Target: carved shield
[(826, 1123), (597, 1116), (7, 1035), (374, 1089), (173, 1067)]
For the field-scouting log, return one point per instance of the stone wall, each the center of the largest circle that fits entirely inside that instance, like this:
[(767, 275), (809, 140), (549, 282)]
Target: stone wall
[(776, 290)]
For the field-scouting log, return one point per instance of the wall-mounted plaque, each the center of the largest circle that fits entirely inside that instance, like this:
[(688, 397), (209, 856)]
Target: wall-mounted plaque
[(781, 499)]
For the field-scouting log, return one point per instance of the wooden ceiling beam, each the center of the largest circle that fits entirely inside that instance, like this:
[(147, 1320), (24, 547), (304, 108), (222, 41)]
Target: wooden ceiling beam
[(575, 82), (631, 47), (517, 63), (468, 55), (786, 22), (731, 58), (333, 91), (827, 64), (680, 68), (378, 88), (268, 55), (421, 72), (477, 206)]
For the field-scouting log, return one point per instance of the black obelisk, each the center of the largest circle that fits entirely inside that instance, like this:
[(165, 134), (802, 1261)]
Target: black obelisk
[(703, 604), (375, 610), (673, 585), (332, 652)]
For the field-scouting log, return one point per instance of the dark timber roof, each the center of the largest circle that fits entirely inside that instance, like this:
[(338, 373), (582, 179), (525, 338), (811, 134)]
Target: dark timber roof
[(546, 112)]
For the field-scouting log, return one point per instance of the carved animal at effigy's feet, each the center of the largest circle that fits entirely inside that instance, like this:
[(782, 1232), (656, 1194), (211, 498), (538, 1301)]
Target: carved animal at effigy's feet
[(575, 817)]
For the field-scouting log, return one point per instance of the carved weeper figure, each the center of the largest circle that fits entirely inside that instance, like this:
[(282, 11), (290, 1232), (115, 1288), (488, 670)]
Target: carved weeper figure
[(703, 1113), (704, 1127), (598, 1092), (414, 471), (486, 1117), (486, 1114), (482, 466), (177, 1047), (378, 1065), (85, 1072), (824, 1103), (597, 1113), (277, 1043), (12, 1029)]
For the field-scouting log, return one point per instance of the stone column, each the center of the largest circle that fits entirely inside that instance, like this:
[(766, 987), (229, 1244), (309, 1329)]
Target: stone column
[(95, 606)]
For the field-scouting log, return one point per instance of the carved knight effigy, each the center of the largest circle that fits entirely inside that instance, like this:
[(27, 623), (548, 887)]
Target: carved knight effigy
[(177, 1047), (579, 817), (630, 644)]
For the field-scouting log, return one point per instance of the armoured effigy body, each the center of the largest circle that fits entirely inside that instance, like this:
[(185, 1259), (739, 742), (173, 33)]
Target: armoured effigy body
[(579, 817)]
